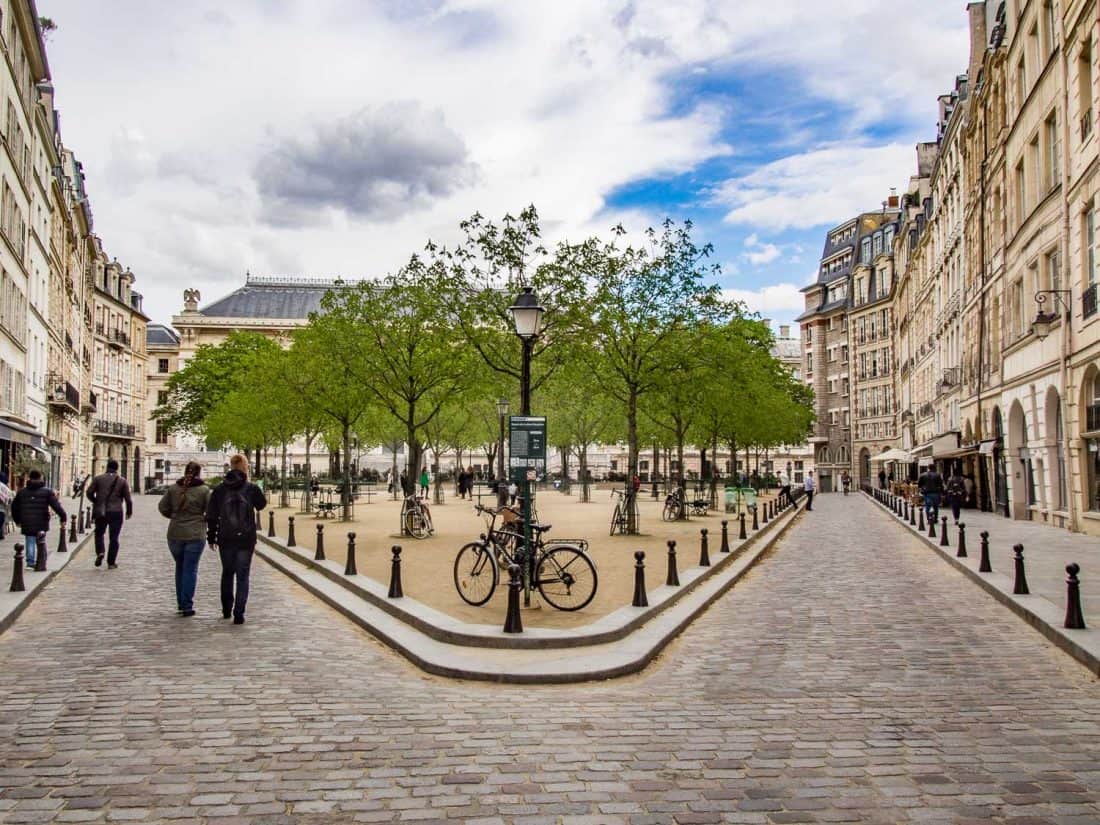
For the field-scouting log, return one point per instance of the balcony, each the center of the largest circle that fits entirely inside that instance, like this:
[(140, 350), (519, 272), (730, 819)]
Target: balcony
[(90, 402), (63, 398), (1088, 301), (114, 428)]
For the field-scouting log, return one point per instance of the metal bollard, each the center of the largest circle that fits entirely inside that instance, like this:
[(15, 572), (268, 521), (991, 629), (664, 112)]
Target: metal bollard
[(704, 556), (1019, 587), (17, 585), (640, 599), (920, 525), (741, 534), (755, 523), (985, 566), (80, 519), (931, 526), (349, 567), (673, 579), (1075, 618), (960, 548), (912, 515), (40, 559), (62, 546), (767, 511), (320, 554), (88, 520), (290, 531), (943, 533), (725, 548), (905, 510), (512, 621), (395, 574), (271, 524), (72, 530)]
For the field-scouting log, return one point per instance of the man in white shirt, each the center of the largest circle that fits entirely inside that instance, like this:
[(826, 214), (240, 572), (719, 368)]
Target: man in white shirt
[(784, 487), (809, 486)]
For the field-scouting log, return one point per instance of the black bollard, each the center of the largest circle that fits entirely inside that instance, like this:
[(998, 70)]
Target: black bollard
[(17, 585), (766, 510), (741, 533), (89, 522), (673, 579), (80, 519), (1075, 618), (512, 621), (395, 574), (271, 524), (943, 533), (290, 531), (1019, 587), (640, 599), (931, 526), (320, 554), (755, 523), (725, 548), (40, 559), (704, 555), (905, 510), (985, 566), (960, 548), (349, 567), (920, 525), (62, 547), (912, 515), (72, 530)]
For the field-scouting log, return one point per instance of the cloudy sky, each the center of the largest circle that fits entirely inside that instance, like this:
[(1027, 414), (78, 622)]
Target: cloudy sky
[(335, 137)]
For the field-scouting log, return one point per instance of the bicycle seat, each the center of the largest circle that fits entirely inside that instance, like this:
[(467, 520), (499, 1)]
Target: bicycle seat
[(542, 528)]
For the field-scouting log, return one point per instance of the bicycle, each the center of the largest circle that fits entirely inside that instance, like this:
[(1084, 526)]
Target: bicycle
[(619, 522), (564, 574), (674, 505), (416, 518)]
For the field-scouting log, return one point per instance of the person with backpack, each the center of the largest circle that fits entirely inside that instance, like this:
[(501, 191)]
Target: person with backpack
[(185, 504), (231, 527), (108, 493), (30, 509), (956, 494)]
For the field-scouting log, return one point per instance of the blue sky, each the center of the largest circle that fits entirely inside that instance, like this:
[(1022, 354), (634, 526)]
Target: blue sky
[(335, 137)]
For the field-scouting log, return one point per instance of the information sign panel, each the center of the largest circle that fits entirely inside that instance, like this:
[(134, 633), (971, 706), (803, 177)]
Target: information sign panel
[(527, 446)]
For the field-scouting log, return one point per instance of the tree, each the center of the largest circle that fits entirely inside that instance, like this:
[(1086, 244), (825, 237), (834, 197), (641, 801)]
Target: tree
[(579, 415)]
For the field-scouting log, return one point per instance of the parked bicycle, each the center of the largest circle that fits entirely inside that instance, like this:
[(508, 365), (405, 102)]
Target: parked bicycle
[(674, 505), (563, 573), (627, 500), (416, 518)]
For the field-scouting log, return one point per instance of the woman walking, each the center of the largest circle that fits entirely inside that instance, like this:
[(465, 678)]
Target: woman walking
[(231, 525), (184, 503)]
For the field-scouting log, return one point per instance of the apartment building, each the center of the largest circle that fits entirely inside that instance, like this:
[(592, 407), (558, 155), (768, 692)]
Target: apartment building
[(162, 346)]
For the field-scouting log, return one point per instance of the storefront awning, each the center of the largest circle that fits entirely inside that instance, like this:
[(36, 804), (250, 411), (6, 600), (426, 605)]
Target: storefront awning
[(19, 434), (970, 449), (945, 445), (987, 447)]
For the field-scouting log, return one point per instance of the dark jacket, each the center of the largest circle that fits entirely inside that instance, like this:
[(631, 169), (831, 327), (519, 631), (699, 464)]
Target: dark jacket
[(31, 508), (186, 507), (115, 492), (930, 483), (234, 480)]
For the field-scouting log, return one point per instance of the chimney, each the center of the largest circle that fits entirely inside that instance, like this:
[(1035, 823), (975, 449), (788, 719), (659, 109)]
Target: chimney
[(979, 37), (892, 201), (784, 331)]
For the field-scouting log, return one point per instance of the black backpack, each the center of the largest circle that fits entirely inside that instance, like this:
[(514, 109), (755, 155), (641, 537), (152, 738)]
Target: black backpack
[(237, 517)]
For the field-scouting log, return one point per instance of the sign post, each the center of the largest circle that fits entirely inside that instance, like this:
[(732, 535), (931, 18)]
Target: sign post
[(526, 462)]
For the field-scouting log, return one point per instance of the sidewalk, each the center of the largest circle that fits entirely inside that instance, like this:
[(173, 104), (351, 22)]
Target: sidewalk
[(12, 604), (1047, 551)]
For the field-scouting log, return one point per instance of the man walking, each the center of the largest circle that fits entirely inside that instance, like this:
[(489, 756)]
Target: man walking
[(809, 486), (109, 493), (930, 485), (231, 526), (30, 509), (784, 487)]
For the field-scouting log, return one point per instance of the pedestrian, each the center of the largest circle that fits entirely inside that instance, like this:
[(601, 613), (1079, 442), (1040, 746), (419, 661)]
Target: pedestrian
[(405, 489), (930, 485), (784, 487), (809, 486), (231, 527), (425, 480), (882, 479), (79, 487), (108, 493), (513, 491), (185, 504), (956, 493), (845, 481), (6, 496), (30, 509)]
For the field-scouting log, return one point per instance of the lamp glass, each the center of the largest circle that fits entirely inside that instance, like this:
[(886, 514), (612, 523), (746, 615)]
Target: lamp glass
[(502, 407), (1041, 326), (527, 314)]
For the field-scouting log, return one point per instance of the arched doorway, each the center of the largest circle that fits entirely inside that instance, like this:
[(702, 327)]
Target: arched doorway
[(1023, 488), (1000, 470), (1056, 455), (135, 477), (1090, 449), (864, 466)]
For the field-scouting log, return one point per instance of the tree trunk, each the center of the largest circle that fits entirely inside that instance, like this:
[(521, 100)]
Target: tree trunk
[(713, 471), (283, 500), (632, 456), (584, 472), (307, 493), (345, 495), (564, 469)]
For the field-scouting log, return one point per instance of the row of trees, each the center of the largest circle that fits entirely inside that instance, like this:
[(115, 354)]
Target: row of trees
[(638, 346)]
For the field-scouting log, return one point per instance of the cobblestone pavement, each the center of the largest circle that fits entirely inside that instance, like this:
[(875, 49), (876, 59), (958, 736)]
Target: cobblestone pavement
[(839, 682)]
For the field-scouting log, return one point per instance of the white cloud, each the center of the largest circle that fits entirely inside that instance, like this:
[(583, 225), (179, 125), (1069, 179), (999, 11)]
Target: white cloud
[(818, 187), (784, 298), (759, 253)]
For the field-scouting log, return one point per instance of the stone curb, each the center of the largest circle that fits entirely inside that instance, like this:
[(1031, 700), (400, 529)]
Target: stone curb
[(12, 605), (560, 665), (1038, 611), (442, 627)]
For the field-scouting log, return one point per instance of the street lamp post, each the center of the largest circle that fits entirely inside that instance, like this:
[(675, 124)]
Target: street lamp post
[(502, 488), (527, 320)]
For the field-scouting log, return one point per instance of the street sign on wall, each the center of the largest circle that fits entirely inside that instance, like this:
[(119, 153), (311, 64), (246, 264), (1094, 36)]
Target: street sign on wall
[(526, 446)]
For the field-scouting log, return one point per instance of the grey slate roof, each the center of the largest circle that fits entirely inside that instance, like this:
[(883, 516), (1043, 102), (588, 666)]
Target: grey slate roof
[(160, 334), (271, 298)]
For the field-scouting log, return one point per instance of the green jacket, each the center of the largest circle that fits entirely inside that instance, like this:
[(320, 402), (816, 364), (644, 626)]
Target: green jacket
[(186, 509)]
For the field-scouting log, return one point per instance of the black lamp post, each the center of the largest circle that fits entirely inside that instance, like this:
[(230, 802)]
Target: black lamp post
[(527, 320), (502, 488)]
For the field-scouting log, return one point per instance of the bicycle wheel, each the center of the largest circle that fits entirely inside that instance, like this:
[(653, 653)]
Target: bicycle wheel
[(616, 519), (475, 574), (566, 578), (669, 513), (415, 525)]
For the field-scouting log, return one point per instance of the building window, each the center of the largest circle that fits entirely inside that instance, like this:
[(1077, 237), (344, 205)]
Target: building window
[(1084, 88), (1050, 127), (162, 433), (865, 251), (1050, 29), (162, 366), (1090, 247), (1052, 275), (1021, 194), (1021, 84)]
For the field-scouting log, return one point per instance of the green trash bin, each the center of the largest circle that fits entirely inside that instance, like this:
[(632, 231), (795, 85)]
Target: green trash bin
[(748, 497), (731, 499)]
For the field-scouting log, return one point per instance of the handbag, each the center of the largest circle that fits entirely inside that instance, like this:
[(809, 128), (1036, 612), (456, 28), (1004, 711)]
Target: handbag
[(100, 508)]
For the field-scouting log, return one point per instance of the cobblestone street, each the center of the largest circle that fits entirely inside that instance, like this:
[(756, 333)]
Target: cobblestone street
[(840, 681)]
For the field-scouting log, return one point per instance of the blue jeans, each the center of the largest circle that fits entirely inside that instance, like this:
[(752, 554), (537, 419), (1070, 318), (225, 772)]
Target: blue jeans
[(187, 555), (932, 506), (30, 550)]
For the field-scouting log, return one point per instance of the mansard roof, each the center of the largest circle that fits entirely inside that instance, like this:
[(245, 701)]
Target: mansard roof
[(273, 297), (160, 335)]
